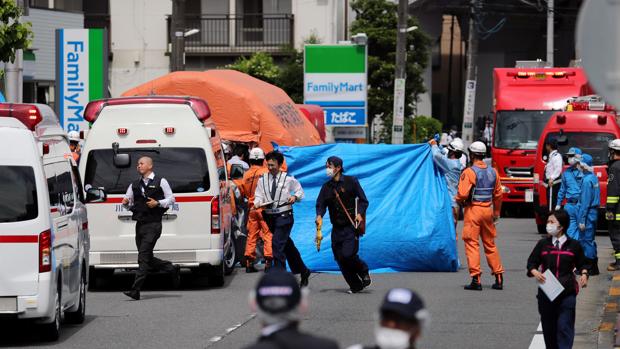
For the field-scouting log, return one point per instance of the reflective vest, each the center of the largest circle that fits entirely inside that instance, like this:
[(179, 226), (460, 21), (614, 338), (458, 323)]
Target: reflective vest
[(485, 184)]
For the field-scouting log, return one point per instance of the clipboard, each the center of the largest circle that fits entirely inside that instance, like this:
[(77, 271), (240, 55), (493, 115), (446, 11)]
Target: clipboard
[(552, 287)]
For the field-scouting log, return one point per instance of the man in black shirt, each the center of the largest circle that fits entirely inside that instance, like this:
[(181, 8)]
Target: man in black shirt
[(347, 203)]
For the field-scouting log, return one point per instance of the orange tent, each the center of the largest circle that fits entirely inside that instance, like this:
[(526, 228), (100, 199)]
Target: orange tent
[(243, 108)]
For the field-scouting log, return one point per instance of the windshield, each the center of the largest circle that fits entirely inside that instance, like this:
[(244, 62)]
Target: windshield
[(184, 168), (588, 142), (19, 194), (520, 129)]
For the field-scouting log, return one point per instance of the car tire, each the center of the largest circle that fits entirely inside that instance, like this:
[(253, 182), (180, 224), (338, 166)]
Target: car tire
[(50, 332), (78, 316), (215, 278), (230, 255)]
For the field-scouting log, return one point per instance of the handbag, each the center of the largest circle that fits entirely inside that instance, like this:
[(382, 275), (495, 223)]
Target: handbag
[(360, 227)]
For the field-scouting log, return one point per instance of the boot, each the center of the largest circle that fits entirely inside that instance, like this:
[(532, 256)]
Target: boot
[(475, 284), (594, 270), (249, 267), (614, 266), (499, 282)]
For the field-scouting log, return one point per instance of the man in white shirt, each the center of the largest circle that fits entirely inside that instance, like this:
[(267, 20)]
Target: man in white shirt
[(148, 199), (553, 172), (276, 192), (238, 158)]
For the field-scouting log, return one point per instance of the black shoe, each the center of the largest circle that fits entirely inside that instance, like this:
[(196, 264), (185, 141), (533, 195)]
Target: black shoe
[(594, 270), (474, 285), (268, 264), (499, 282), (305, 278), (354, 291), (176, 277), (135, 294), (251, 269), (365, 279)]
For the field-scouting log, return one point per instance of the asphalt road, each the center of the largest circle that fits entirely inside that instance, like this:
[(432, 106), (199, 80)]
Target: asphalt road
[(198, 317)]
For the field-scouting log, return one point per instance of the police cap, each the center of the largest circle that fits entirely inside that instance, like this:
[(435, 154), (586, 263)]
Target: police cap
[(277, 292)]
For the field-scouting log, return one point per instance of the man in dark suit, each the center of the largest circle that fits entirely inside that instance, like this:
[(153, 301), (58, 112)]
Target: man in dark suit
[(279, 301)]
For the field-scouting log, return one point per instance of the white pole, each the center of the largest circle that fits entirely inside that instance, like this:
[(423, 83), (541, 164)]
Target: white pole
[(550, 17)]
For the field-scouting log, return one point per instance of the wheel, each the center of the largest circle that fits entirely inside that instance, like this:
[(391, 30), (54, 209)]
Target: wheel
[(230, 255), (542, 228), (215, 278), (240, 241), (78, 316), (50, 332)]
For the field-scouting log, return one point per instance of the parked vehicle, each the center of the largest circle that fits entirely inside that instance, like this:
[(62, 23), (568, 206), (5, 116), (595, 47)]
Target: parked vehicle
[(180, 137), (44, 240)]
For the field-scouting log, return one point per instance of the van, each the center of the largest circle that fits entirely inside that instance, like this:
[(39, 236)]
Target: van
[(44, 241), (590, 127), (180, 137)]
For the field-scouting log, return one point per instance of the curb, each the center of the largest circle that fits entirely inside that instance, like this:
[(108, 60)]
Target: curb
[(610, 322)]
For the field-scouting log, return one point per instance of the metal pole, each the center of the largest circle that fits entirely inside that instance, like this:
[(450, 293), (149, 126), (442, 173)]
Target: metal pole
[(470, 84), (177, 29), (14, 78), (399, 76), (550, 18)]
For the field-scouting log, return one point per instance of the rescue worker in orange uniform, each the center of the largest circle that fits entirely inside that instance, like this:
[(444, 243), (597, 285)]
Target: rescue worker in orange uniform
[(480, 191), (256, 224)]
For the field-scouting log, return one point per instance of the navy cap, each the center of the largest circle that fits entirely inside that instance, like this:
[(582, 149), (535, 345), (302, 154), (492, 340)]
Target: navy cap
[(278, 292), (405, 303), (334, 160)]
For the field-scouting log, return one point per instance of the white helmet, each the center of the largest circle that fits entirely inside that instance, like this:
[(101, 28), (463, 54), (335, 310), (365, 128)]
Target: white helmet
[(615, 144), (225, 148), (257, 154), (74, 136), (478, 148), (457, 145)]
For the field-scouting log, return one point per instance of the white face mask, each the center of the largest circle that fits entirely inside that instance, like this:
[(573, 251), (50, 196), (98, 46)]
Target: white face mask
[(572, 161), (330, 172), (552, 229), (389, 338)]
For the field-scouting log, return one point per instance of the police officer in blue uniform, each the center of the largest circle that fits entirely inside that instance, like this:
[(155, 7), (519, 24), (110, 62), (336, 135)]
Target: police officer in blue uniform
[(276, 192), (347, 204), (587, 214), (570, 189), (279, 303), (148, 198)]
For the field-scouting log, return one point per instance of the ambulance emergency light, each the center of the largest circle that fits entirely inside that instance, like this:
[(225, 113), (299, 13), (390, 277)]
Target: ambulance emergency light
[(28, 114), (199, 106)]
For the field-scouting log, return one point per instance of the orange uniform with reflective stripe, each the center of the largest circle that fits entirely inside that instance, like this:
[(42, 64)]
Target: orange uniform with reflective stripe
[(478, 222), (256, 224)]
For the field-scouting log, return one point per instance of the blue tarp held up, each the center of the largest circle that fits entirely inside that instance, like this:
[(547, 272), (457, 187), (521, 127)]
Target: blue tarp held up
[(409, 220)]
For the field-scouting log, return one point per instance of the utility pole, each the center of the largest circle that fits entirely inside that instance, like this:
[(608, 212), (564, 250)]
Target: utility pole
[(550, 18), (14, 78), (399, 75), (470, 84), (177, 38)]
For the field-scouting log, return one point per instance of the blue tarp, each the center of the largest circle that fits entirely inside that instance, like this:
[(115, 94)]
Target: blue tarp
[(409, 220)]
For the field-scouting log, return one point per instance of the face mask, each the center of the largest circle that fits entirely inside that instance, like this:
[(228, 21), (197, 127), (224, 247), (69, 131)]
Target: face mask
[(572, 161), (552, 229), (389, 338), (330, 172)]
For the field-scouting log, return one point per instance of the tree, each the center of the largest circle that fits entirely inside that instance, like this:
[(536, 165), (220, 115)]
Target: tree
[(260, 65), (14, 35), (291, 78), (378, 19)]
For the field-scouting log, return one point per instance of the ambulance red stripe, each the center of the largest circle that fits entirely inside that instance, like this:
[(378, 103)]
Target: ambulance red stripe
[(19, 239)]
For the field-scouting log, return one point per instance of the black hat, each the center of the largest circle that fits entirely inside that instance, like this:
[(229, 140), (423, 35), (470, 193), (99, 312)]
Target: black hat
[(334, 160), (405, 303), (277, 292), (553, 142)]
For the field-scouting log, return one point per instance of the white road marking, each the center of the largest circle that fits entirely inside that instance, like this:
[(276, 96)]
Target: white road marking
[(538, 342), (229, 330)]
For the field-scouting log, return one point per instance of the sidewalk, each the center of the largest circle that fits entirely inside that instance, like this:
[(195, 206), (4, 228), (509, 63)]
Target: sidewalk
[(597, 306)]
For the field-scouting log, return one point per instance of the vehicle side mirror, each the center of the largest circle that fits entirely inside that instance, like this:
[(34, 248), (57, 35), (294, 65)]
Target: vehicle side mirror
[(122, 160), (236, 172), (95, 195)]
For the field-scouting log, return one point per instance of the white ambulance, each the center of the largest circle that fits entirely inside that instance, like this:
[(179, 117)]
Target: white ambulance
[(44, 238), (180, 137)]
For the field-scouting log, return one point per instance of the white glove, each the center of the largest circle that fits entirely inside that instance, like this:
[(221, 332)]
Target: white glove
[(558, 207), (582, 227)]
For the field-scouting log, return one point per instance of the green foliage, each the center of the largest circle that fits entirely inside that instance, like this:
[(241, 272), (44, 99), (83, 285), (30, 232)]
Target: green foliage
[(291, 78), (14, 35), (260, 65), (378, 19), (426, 128)]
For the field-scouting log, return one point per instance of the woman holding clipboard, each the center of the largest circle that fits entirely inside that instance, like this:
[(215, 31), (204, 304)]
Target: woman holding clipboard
[(558, 256)]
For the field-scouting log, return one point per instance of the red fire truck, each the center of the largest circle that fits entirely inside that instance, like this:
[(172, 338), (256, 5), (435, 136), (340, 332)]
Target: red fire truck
[(589, 124), (524, 100)]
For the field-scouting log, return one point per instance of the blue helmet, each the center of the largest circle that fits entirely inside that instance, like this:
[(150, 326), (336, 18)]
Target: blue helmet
[(574, 151), (586, 159)]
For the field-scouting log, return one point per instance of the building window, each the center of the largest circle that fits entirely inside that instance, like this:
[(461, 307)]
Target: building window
[(62, 5)]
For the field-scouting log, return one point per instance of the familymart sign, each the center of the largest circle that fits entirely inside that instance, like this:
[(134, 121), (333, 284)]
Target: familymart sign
[(335, 79), (81, 73)]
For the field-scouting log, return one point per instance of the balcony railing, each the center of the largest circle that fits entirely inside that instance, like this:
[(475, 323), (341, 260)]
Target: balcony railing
[(239, 34)]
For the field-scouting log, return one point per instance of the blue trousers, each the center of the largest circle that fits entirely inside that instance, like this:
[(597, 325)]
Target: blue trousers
[(573, 228), (345, 246), (283, 247), (558, 320), (586, 237)]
